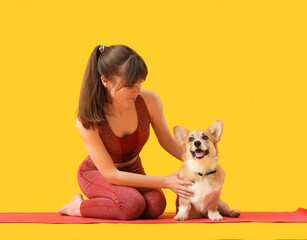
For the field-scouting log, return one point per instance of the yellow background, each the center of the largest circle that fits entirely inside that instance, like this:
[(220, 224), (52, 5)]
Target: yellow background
[(243, 62)]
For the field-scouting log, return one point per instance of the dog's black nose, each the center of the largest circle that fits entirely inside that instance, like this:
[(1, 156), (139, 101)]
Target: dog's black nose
[(197, 143)]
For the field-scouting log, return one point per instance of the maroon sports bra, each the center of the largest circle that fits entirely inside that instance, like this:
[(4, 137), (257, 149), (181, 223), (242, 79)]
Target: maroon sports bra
[(123, 149)]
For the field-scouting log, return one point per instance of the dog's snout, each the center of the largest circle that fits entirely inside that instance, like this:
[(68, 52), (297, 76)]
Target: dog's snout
[(197, 143)]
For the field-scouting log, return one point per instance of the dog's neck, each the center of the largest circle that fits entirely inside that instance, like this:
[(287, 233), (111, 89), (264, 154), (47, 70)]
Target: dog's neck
[(207, 173)]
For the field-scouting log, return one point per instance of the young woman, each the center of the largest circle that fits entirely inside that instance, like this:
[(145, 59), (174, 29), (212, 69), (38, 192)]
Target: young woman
[(113, 119)]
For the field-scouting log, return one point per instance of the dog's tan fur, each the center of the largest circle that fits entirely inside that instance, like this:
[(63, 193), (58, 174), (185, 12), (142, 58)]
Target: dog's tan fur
[(207, 202)]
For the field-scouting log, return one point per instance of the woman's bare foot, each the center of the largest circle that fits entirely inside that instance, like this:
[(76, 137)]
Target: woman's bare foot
[(73, 207)]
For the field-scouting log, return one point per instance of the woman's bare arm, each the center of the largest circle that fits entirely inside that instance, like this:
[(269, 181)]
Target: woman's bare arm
[(159, 125)]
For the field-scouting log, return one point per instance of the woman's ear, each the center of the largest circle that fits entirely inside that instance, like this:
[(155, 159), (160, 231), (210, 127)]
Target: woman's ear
[(105, 81), (216, 130), (180, 133)]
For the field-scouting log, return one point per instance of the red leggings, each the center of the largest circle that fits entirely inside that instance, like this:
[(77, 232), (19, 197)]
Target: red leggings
[(111, 201)]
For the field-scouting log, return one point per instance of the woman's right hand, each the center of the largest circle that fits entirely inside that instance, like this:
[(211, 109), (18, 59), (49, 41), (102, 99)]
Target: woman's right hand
[(177, 185)]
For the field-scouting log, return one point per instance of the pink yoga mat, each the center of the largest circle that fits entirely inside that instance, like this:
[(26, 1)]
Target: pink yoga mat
[(298, 216)]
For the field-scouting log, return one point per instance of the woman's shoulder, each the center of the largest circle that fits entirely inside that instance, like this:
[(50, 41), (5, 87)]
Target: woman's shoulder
[(152, 101), (148, 95), (85, 133)]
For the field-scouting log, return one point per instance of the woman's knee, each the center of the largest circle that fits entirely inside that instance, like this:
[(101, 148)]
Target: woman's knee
[(132, 206), (156, 203)]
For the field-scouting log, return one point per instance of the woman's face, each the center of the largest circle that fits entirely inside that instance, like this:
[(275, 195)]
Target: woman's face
[(124, 96)]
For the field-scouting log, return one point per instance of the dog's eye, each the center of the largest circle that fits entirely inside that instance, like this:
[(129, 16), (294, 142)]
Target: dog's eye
[(205, 137), (191, 139)]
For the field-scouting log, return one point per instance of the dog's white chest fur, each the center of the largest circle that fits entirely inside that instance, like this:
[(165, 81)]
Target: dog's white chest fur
[(201, 189)]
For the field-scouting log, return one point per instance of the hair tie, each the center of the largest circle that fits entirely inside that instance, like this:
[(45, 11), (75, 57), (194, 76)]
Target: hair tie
[(102, 47)]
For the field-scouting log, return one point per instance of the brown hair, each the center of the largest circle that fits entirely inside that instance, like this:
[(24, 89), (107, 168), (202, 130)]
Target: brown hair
[(115, 60)]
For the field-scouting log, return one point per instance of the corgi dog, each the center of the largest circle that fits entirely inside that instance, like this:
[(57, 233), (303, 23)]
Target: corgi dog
[(201, 167)]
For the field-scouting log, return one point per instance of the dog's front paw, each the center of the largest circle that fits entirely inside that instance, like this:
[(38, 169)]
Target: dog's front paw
[(181, 217), (215, 216)]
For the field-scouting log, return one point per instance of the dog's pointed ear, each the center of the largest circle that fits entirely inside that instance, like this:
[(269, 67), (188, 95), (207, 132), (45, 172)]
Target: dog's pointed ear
[(180, 133), (216, 130)]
